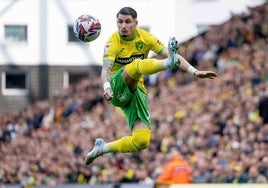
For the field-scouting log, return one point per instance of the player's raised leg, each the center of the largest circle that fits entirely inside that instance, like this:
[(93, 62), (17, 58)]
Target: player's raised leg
[(150, 66), (138, 140)]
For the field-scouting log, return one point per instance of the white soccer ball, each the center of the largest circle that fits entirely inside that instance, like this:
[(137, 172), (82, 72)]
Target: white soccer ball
[(87, 28)]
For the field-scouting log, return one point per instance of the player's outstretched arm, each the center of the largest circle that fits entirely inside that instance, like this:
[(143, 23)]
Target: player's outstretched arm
[(186, 66)]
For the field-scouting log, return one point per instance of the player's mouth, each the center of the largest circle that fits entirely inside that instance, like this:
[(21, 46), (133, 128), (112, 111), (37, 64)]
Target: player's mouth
[(124, 33)]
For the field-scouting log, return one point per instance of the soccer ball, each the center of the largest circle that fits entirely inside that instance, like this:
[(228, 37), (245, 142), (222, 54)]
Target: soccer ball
[(87, 28)]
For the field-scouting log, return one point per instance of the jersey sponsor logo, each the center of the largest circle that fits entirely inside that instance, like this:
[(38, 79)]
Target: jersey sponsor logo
[(127, 60)]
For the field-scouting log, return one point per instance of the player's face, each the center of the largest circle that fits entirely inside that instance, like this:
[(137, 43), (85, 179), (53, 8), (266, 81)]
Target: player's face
[(126, 25)]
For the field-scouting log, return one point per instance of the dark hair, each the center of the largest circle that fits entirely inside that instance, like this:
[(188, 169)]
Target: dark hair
[(127, 11)]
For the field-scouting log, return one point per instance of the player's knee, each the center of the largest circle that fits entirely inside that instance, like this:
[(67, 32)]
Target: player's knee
[(141, 138)]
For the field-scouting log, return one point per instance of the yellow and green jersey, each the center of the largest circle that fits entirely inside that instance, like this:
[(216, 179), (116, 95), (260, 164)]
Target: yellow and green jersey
[(122, 52)]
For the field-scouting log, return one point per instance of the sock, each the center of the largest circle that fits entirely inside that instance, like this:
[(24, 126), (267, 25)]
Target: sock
[(145, 67), (151, 66), (139, 140), (123, 145)]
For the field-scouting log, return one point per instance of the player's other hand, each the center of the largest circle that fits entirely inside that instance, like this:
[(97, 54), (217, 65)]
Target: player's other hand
[(108, 94), (205, 74)]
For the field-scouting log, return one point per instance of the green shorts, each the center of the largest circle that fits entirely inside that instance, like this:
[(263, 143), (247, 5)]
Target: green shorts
[(134, 105)]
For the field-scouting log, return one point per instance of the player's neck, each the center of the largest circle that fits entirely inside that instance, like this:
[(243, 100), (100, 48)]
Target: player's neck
[(129, 37)]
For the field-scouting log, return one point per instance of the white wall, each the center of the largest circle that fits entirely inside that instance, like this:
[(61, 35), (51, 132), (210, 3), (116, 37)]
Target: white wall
[(19, 12), (47, 25)]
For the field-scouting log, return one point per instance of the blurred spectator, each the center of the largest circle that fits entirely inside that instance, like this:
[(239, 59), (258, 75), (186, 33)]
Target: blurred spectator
[(201, 174), (175, 171), (255, 176), (263, 109)]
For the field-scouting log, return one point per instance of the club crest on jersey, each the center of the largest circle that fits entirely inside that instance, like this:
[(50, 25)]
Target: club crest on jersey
[(139, 45)]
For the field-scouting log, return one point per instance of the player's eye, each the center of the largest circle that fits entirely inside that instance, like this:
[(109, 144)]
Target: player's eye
[(120, 21)]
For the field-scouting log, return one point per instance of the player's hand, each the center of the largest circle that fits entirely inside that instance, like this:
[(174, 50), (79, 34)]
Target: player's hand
[(205, 74), (108, 94)]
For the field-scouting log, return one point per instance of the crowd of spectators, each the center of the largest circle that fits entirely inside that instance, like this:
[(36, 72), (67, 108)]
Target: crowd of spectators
[(219, 126)]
